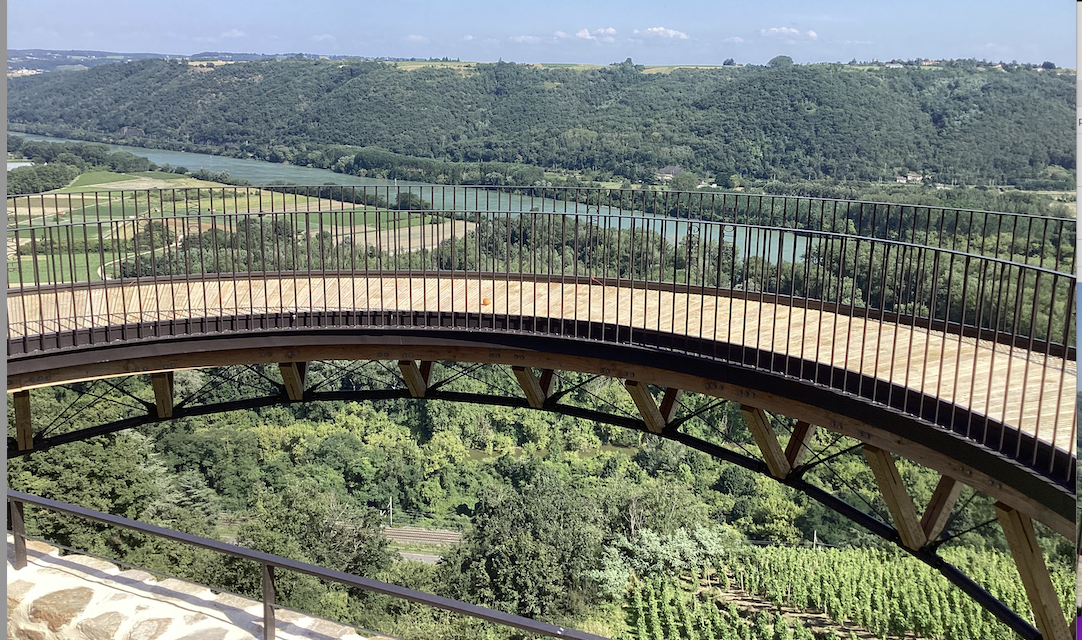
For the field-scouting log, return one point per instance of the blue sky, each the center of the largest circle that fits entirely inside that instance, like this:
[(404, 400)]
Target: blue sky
[(689, 32)]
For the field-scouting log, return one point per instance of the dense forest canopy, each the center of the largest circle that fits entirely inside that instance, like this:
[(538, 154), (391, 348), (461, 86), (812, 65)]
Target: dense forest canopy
[(786, 122)]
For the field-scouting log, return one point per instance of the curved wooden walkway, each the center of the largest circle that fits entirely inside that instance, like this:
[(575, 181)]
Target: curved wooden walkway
[(1028, 390)]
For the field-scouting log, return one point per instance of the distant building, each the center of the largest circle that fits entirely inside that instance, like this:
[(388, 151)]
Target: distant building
[(914, 177), (929, 63), (894, 65), (900, 179), (667, 173)]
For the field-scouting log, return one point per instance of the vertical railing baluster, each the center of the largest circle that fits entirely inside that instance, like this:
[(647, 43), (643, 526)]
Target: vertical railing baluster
[(268, 601), (18, 531)]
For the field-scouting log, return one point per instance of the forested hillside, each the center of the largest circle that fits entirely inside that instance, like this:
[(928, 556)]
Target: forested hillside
[(965, 124)]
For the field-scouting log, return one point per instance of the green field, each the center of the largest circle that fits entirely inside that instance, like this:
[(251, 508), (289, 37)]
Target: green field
[(54, 269), (95, 178)]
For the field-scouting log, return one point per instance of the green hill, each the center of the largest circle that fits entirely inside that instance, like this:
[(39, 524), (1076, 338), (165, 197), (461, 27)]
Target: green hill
[(961, 122)]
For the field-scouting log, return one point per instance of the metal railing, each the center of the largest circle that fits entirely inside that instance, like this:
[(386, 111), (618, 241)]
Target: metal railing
[(269, 562), (961, 318)]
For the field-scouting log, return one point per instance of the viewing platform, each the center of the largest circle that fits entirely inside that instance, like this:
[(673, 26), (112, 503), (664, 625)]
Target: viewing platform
[(942, 336)]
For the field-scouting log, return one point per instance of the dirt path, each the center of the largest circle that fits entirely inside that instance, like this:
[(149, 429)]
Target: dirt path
[(426, 558)]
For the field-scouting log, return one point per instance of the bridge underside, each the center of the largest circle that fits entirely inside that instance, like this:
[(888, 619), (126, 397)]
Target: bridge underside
[(949, 453)]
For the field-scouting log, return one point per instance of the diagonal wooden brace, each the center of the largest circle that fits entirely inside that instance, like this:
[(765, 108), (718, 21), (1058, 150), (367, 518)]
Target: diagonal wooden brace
[(293, 377), (759, 425), (1028, 557), (797, 449), (939, 508), (24, 434), (416, 377), (656, 418), (669, 403), (537, 391), (163, 393), (897, 498)]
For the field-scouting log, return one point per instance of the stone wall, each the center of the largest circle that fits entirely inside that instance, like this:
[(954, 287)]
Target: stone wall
[(82, 598)]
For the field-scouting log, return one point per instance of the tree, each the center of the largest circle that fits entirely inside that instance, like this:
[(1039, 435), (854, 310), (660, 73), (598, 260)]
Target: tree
[(531, 550), (780, 61), (1048, 65), (685, 181)]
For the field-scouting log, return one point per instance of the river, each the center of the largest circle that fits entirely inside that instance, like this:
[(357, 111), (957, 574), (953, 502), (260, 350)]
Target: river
[(444, 197)]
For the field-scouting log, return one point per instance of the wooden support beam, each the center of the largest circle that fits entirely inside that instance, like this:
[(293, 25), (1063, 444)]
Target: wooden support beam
[(669, 403), (416, 376), (537, 391), (548, 381), (797, 449), (759, 425), (163, 393), (24, 434), (1028, 557), (939, 508), (897, 498), (644, 400), (293, 377)]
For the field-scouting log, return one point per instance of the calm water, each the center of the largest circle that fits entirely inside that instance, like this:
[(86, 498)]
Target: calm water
[(758, 243), (257, 171)]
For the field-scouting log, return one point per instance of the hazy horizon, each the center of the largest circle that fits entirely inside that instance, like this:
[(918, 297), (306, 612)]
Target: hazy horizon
[(465, 60), (586, 33)]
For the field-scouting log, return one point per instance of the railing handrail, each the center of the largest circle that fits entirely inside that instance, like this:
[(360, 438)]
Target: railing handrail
[(275, 561), (511, 188), (832, 235)]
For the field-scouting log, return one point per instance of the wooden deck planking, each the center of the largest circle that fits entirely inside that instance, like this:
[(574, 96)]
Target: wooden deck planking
[(992, 379)]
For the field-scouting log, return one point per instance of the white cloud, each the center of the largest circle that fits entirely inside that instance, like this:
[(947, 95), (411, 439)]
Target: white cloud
[(324, 37), (736, 39), (665, 33), (526, 39), (604, 34), (467, 38), (232, 33), (416, 38), (789, 35), (561, 34), (779, 31)]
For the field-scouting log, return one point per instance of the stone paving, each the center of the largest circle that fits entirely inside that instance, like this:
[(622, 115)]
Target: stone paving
[(82, 598)]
